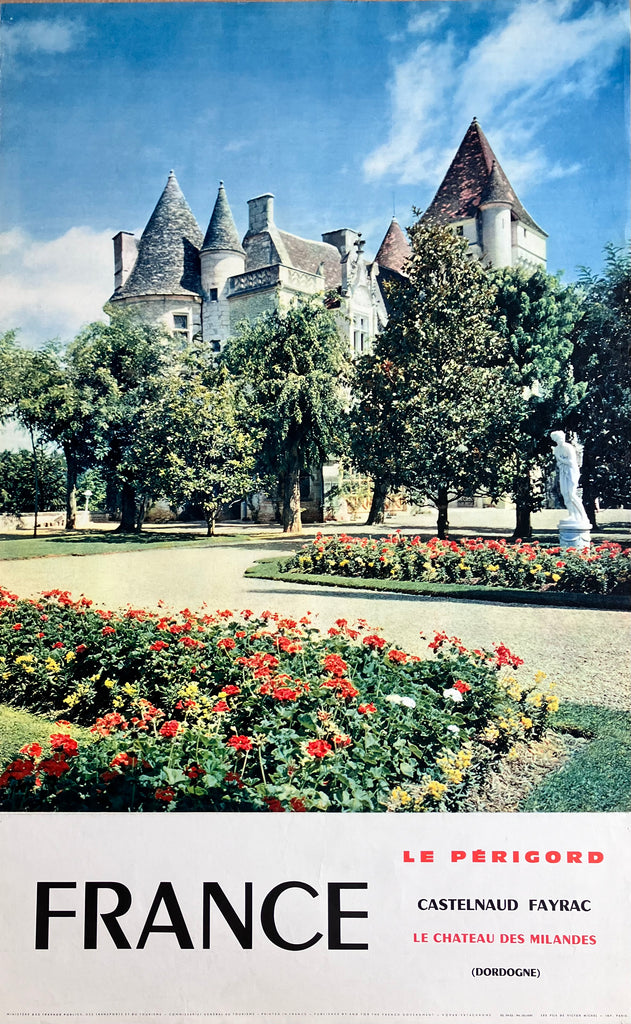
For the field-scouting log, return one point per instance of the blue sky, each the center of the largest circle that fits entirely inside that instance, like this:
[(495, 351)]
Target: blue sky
[(344, 110)]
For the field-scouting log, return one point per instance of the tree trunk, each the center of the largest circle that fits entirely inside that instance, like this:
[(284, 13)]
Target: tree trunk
[(442, 504), (72, 472), (523, 526), (377, 512), (142, 507), (128, 510), (292, 519), (35, 481)]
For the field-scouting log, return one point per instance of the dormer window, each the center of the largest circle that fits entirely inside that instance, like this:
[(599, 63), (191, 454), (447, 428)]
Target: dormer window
[(181, 326)]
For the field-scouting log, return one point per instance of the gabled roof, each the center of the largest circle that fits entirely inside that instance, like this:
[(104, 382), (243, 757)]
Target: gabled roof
[(395, 250), (466, 183), (222, 230), (168, 252), (309, 255)]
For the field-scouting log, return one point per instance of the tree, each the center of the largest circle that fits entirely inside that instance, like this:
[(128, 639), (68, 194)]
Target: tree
[(120, 368), (444, 406), (535, 317), (602, 364), (292, 365), (193, 441), (17, 493)]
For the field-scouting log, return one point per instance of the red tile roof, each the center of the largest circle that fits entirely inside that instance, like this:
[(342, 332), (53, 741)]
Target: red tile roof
[(471, 179), (395, 250)]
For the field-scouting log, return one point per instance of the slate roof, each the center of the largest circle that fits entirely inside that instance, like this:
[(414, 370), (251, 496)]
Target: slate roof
[(168, 252), (467, 183), (395, 250), (307, 255), (222, 231)]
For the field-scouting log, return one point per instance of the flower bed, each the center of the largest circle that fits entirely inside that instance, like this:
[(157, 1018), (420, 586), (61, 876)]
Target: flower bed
[(236, 712), (602, 569)]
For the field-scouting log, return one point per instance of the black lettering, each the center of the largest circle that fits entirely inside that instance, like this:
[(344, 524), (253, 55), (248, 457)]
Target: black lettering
[(336, 914), (43, 913), (109, 918), (268, 921), (166, 894), (241, 929)]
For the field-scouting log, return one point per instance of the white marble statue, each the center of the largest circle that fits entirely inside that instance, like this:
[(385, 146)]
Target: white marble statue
[(574, 531)]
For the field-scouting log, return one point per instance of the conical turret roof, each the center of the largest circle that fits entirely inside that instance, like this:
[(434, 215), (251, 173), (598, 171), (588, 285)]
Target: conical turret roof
[(395, 250), (474, 175), (222, 230), (168, 252)]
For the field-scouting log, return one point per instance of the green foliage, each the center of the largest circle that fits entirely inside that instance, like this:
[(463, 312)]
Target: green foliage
[(598, 777), (434, 406), (17, 478), (604, 569), (602, 362), (535, 317), (224, 711), (291, 365), (193, 439)]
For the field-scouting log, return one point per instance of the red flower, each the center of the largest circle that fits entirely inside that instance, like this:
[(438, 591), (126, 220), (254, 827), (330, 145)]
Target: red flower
[(55, 765), (166, 794), (159, 646), (285, 693), (107, 630), (81, 648), (170, 729), (19, 769), (189, 641), (342, 741), (273, 803), (504, 657), (220, 707), (233, 777), (17, 625), (194, 771), (65, 743), (374, 642), (297, 804), (366, 709), (124, 760), (318, 748), (395, 655), (32, 750), (231, 690), (227, 644), (240, 743), (335, 665), (57, 645), (461, 687)]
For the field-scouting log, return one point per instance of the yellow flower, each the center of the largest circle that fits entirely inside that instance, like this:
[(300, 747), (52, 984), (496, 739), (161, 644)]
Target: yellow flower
[(400, 797), (52, 665), (491, 733), (23, 659), (436, 789), (539, 677), (526, 722), (70, 656), (493, 568), (534, 698), (552, 702), (463, 565), (130, 690), (118, 702), (72, 700), (109, 683), (556, 577)]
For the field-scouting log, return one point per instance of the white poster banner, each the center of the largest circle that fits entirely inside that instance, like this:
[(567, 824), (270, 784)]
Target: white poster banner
[(307, 917)]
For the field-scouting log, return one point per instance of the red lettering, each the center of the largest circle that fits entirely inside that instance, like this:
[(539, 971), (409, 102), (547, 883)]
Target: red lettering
[(457, 855), (406, 857), (478, 856), (427, 856)]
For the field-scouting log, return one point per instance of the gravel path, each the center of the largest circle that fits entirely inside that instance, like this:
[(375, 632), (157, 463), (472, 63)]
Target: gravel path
[(586, 652)]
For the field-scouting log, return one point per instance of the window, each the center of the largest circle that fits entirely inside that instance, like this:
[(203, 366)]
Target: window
[(360, 335), (215, 345), (180, 325), (305, 486), (212, 295), (459, 229)]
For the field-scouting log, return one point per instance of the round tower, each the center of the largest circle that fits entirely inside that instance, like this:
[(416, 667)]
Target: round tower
[(495, 210), (222, 256)]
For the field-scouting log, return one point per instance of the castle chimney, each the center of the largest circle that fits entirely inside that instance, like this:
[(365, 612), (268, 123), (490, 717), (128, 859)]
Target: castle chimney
[(125, 252), (261, 213)]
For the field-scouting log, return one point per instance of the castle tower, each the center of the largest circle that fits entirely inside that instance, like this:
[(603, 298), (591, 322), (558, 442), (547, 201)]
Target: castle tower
[(163, 282), (391, 258), (222, 256), (478, 201)]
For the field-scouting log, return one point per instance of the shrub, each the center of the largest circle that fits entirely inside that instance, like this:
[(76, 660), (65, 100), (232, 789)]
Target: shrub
[(602, 569), (234, 712)]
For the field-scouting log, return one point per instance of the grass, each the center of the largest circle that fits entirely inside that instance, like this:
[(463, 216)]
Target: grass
[(269, 569), (100, 542), (19, 727), (598, 777)]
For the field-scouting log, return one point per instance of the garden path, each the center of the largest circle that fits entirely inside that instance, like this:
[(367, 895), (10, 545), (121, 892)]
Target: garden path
[(585, 651)]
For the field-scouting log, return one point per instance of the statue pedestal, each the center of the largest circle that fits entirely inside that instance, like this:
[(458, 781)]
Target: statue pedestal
[(575, 534)]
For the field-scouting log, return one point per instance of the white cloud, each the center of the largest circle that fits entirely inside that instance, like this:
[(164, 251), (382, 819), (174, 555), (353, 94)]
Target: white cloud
[(42, 35), (50, 289), (515, 78)]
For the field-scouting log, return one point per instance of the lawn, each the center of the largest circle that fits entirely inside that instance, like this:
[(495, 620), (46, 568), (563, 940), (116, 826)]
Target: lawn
[(100, 542)]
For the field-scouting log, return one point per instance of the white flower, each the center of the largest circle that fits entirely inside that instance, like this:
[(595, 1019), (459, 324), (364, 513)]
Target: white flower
[(408, 702), (454, 694), (393, 698), (453, 728)]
